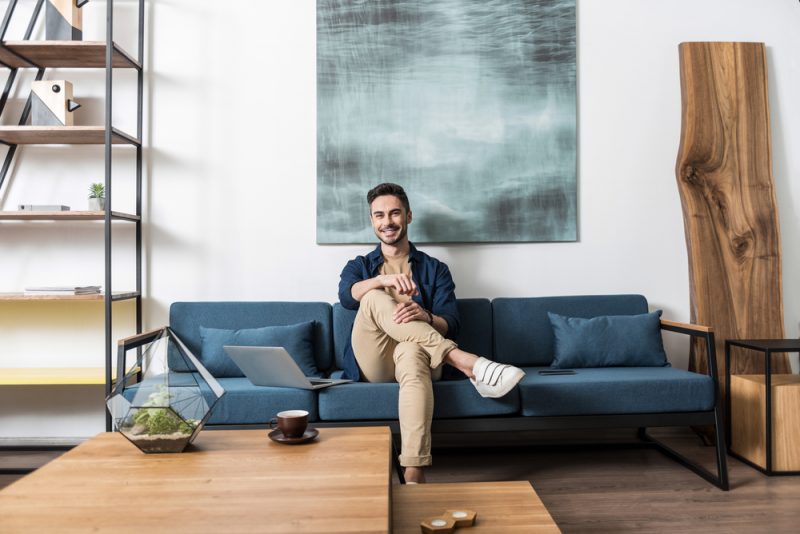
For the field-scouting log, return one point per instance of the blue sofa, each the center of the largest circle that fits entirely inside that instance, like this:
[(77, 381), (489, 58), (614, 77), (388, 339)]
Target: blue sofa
[(509, 330)]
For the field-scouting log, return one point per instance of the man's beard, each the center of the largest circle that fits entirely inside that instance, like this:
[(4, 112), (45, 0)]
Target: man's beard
[(398, 236)]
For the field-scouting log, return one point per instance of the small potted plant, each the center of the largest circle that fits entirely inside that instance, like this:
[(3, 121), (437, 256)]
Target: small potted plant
[(97, 197), (156, 426)]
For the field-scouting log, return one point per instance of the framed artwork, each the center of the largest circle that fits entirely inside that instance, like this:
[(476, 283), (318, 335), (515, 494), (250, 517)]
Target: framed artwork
[(470, 105)]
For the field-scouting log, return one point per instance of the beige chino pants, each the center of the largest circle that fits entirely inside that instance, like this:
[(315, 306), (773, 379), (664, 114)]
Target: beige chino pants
[(411, 353)]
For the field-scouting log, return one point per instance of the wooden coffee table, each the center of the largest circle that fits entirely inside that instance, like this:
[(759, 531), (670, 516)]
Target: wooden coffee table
[(501, 507), (229, 481)]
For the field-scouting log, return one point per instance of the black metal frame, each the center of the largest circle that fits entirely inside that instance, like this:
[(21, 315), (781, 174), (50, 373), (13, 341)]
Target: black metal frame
[(640, 421), (109, 131), (753, 345)]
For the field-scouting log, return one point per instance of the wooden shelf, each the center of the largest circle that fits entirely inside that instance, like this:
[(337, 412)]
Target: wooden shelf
[(51, 376), (32, 376), (64, 216), (64, 54), (116, 295), (62, 135)]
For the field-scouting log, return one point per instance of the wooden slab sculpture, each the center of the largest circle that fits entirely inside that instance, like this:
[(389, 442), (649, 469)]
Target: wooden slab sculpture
[(724, 173)]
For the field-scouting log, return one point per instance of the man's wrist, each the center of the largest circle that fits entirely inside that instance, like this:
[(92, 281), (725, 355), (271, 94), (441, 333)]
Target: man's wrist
[(430, 317)]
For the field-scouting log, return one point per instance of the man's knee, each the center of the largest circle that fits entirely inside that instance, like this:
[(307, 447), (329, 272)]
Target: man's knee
[(410, 361)]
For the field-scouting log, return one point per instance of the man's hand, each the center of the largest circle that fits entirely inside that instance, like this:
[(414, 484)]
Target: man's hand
[(406, 312), (402, 283)]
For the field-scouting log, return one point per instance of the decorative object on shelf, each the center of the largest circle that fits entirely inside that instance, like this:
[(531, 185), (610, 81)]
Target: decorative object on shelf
[(52, 104), (97, 197), (43, 207), (482, 135), (63, 290), (64, 20), (724, 176), (155, 408)]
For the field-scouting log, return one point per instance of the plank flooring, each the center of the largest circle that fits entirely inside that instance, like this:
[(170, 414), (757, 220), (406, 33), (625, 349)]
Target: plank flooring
[(608, 488)]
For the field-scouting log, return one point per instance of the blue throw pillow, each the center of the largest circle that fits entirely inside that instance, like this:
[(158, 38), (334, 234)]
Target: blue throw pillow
[(608, 341), (297, 339)]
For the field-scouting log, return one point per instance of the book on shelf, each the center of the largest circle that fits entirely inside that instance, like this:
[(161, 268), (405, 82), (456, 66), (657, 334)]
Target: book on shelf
[(63, 290), (43, 207)]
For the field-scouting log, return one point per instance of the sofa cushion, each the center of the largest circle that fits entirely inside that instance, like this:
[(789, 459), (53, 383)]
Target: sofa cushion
[(186, 318), (475, 334), (244, 403), (522, 331), (452, 399), (296, 339), (617, 390), (608, 341)]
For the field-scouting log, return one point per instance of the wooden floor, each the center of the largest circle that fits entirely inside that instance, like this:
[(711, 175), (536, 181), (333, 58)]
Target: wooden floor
[(607, 488)]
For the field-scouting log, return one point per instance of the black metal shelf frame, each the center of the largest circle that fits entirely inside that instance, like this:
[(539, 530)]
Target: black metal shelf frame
[(111, 47)]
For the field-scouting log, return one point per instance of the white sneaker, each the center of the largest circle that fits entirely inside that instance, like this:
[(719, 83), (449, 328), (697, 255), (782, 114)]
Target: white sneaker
[(494, 380)]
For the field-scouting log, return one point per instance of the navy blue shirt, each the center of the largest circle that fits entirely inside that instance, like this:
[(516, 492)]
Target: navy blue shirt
[(433, 280)]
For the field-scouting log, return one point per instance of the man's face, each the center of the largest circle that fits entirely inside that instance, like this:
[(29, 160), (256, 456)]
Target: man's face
[(389, 219)]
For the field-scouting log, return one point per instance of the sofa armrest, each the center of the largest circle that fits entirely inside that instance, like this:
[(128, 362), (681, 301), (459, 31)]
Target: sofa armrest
[(707, 333), (138, 340), (686, 328)]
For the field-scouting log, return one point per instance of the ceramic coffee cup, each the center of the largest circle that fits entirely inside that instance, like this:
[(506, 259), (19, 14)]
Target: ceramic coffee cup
[(292, 423)]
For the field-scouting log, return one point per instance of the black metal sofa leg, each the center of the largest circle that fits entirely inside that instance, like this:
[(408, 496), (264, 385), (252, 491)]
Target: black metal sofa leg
[(721, 478)]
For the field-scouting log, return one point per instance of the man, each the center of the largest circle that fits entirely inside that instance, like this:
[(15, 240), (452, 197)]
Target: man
[(406, 320)]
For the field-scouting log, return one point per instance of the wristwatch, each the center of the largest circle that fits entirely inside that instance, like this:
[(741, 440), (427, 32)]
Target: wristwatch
[(430, 317)]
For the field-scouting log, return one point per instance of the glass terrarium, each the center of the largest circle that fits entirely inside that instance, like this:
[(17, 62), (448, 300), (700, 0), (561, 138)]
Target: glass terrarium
[(162, 402)]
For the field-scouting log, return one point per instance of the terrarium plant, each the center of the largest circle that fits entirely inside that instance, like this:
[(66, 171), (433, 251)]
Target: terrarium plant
[(156, 427), (97, 197)]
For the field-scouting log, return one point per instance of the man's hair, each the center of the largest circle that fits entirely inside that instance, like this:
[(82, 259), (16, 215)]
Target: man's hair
[(388, 189)]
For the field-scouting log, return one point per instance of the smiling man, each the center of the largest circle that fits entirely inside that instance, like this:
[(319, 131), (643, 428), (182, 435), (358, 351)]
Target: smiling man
[(406, 320)]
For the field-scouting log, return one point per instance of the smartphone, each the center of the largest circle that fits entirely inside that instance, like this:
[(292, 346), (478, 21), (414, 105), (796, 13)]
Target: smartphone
[(557, 372)]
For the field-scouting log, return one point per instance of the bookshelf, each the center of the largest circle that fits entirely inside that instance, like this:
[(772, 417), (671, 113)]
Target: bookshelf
[(103, 56)]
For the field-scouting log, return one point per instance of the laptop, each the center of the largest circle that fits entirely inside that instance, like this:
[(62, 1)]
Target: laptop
[(273, 366)]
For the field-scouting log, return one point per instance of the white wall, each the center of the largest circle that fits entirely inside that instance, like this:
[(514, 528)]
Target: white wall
[(230, 188)]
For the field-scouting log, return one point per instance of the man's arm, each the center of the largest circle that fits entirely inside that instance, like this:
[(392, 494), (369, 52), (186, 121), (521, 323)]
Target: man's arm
[(444, 305), (402, 283), (355, 282), (443, 315), (440, 324), (411, 311), (353, 272)]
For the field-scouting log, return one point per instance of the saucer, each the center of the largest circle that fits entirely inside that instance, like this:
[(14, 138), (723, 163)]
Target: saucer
[(308, 435)]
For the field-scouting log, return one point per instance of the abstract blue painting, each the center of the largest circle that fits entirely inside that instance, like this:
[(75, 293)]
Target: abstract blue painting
[(468, 104)]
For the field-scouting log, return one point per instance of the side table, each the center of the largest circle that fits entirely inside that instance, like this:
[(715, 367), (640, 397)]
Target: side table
[(765, 439)]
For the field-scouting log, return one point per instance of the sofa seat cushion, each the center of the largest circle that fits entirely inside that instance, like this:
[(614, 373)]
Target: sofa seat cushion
[(244, 403), (615, 390), (452, 399)]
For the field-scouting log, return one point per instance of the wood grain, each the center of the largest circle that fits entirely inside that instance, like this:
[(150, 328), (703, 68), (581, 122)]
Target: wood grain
[(229, 481), (501, 507), (748, 420), (724, 175), (62, 135), (64, 216), (32, 376), (64, 54), (604, 489), (695, 327), (99, 297)]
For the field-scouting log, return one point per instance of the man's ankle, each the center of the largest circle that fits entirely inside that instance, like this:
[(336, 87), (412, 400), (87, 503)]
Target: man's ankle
[(415, 475), (463, 361)]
